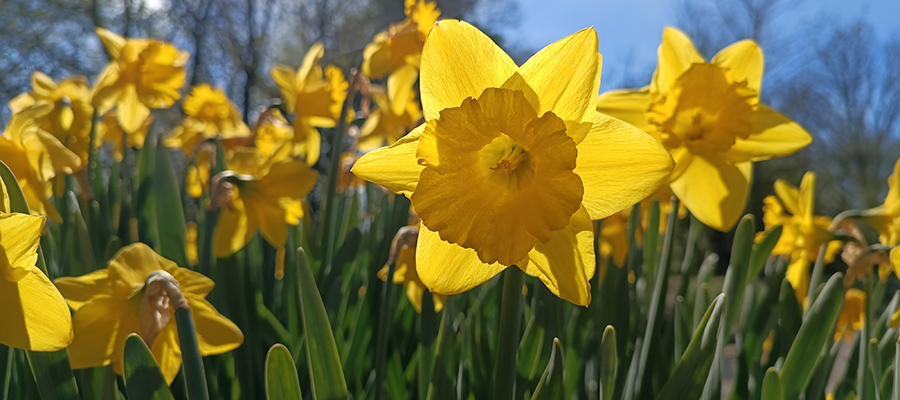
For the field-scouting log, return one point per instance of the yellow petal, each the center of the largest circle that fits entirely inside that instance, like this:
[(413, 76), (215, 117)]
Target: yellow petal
[(714, 191), (399, 87), (789, 196), (78, 290), (629, 106), (99, 325), (459, 61), (285, 80), (192, 282), (42, 85), (395, 167), (892, 200), (619, 165), (566, 263), (234, 230), (895, 259), (167, 352), (742, 60), (675, 55), (215, 333), (774, 135), (20, 235), (106, 91), (131, 266), (35, 316), (564, 78), (307, 72), (131, 111), (112, 42), (798, 274), (288, 179), (446, 268)]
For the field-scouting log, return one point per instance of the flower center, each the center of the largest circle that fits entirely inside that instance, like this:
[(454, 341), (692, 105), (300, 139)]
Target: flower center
[(507, 163), (703, 111)]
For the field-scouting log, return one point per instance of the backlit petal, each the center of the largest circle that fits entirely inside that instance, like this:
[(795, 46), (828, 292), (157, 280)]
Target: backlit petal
[(111, 41), (78, 290), (99, 323), (743, 61), (131, 111), (714, 191), (35, 316), (167, 351), (676, 54), (447, 268), (215, 333), (629, 106), (789, 196), (774, 135), (395, 167), (20, 235)]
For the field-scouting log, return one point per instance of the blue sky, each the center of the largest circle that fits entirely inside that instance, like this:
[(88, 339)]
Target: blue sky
[(630, 30)]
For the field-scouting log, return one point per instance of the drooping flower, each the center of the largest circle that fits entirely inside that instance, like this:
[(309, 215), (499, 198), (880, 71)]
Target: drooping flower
[(260, 193), (110, 130), (35, 316), (143, 74), (314, 95), (70, 119), (112, 303), (396, 111), (513, 162), (401, 44), (803, 233), (853, 315), (708, 115), (403, 255), (208, 113), (35, 156)]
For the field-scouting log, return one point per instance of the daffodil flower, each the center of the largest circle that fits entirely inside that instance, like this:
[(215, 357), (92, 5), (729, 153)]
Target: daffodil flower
[(397, 110), (35, 316), (71, 117), (708, 115), (886, 217), (853, 315), (112, 303), (208, 113), (34, 156), (803, 233), (143, 74), (401, 44), (513, 162), (110, 131), (314, 95), (404, 259)]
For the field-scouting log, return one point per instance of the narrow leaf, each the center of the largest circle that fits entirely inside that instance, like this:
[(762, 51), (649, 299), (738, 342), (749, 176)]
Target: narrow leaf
[(143, 379), (281, 375), (551, 384)]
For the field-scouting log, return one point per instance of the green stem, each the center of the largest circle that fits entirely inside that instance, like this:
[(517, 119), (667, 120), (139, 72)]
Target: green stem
[(897, 370), (384, 323), (329, 213), (508, 339), (816, 277)]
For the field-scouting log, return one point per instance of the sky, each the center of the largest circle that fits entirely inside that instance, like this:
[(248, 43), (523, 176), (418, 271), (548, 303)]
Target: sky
[(629, 31)]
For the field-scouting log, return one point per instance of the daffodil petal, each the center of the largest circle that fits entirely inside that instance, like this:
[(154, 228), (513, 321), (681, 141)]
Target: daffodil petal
[(395, 167), (21, 235), (743, 60), (284, 79), (459, 61), (675, 55), (215, 333), (78, 290), (619, 165), (774, 135), (798, 274), (35, 316), (629, 106), (131, 111), (288, 179), (234, 230), (98, 324), (132, 265), (789, 196), (714, 191), (106, 91), (167, 352), (112, 42), (447, 268), (193, 283), (566, 263), (399, 87)]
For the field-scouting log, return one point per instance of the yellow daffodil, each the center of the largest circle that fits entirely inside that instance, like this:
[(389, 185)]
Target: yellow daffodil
[(112, 303), (401, 44), (802, 234), (886, 217), (143, 74), (852, 316), (260, 194), (397, 110), (35, 316), (613, 238), (314, 95), (708, 115), (35, 156), (271, 132), (513, 162), (208, 113), (71, 117), (111, 131), (405, 272)]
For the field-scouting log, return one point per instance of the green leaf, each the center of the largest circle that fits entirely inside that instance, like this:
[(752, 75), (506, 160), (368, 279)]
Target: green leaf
[(143, 379), (429, 327), (771, 388), (816, 330), (689, 377), (762, 251), (192, 362), (144, 198), (324, 364), (169, 209), (609, 363), (738, 272), (281, 374), (551, 383)]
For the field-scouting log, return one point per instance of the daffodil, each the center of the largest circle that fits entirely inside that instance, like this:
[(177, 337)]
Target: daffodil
[(112, 303), (708, 115), (71, 117), (35, 156), (886, 217), (401, 44), (803, 233), (260, 194), (397, 110), (404, 258), (110, 131), (208, 113), (513, 163), (314, 95), (853, 314), (143, 74), (613, 240), (35, 316)]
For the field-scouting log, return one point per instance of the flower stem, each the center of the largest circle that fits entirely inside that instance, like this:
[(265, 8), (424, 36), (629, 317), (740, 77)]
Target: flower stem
[(508, 340)]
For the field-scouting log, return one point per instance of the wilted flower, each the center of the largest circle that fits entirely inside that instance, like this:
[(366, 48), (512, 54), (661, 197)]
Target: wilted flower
[(401, 44), (71, 117), (112, 303), (35, 156), (143, 74), (708, 115), (208, 113), (314, 96), (34, 314), (513, 163)]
